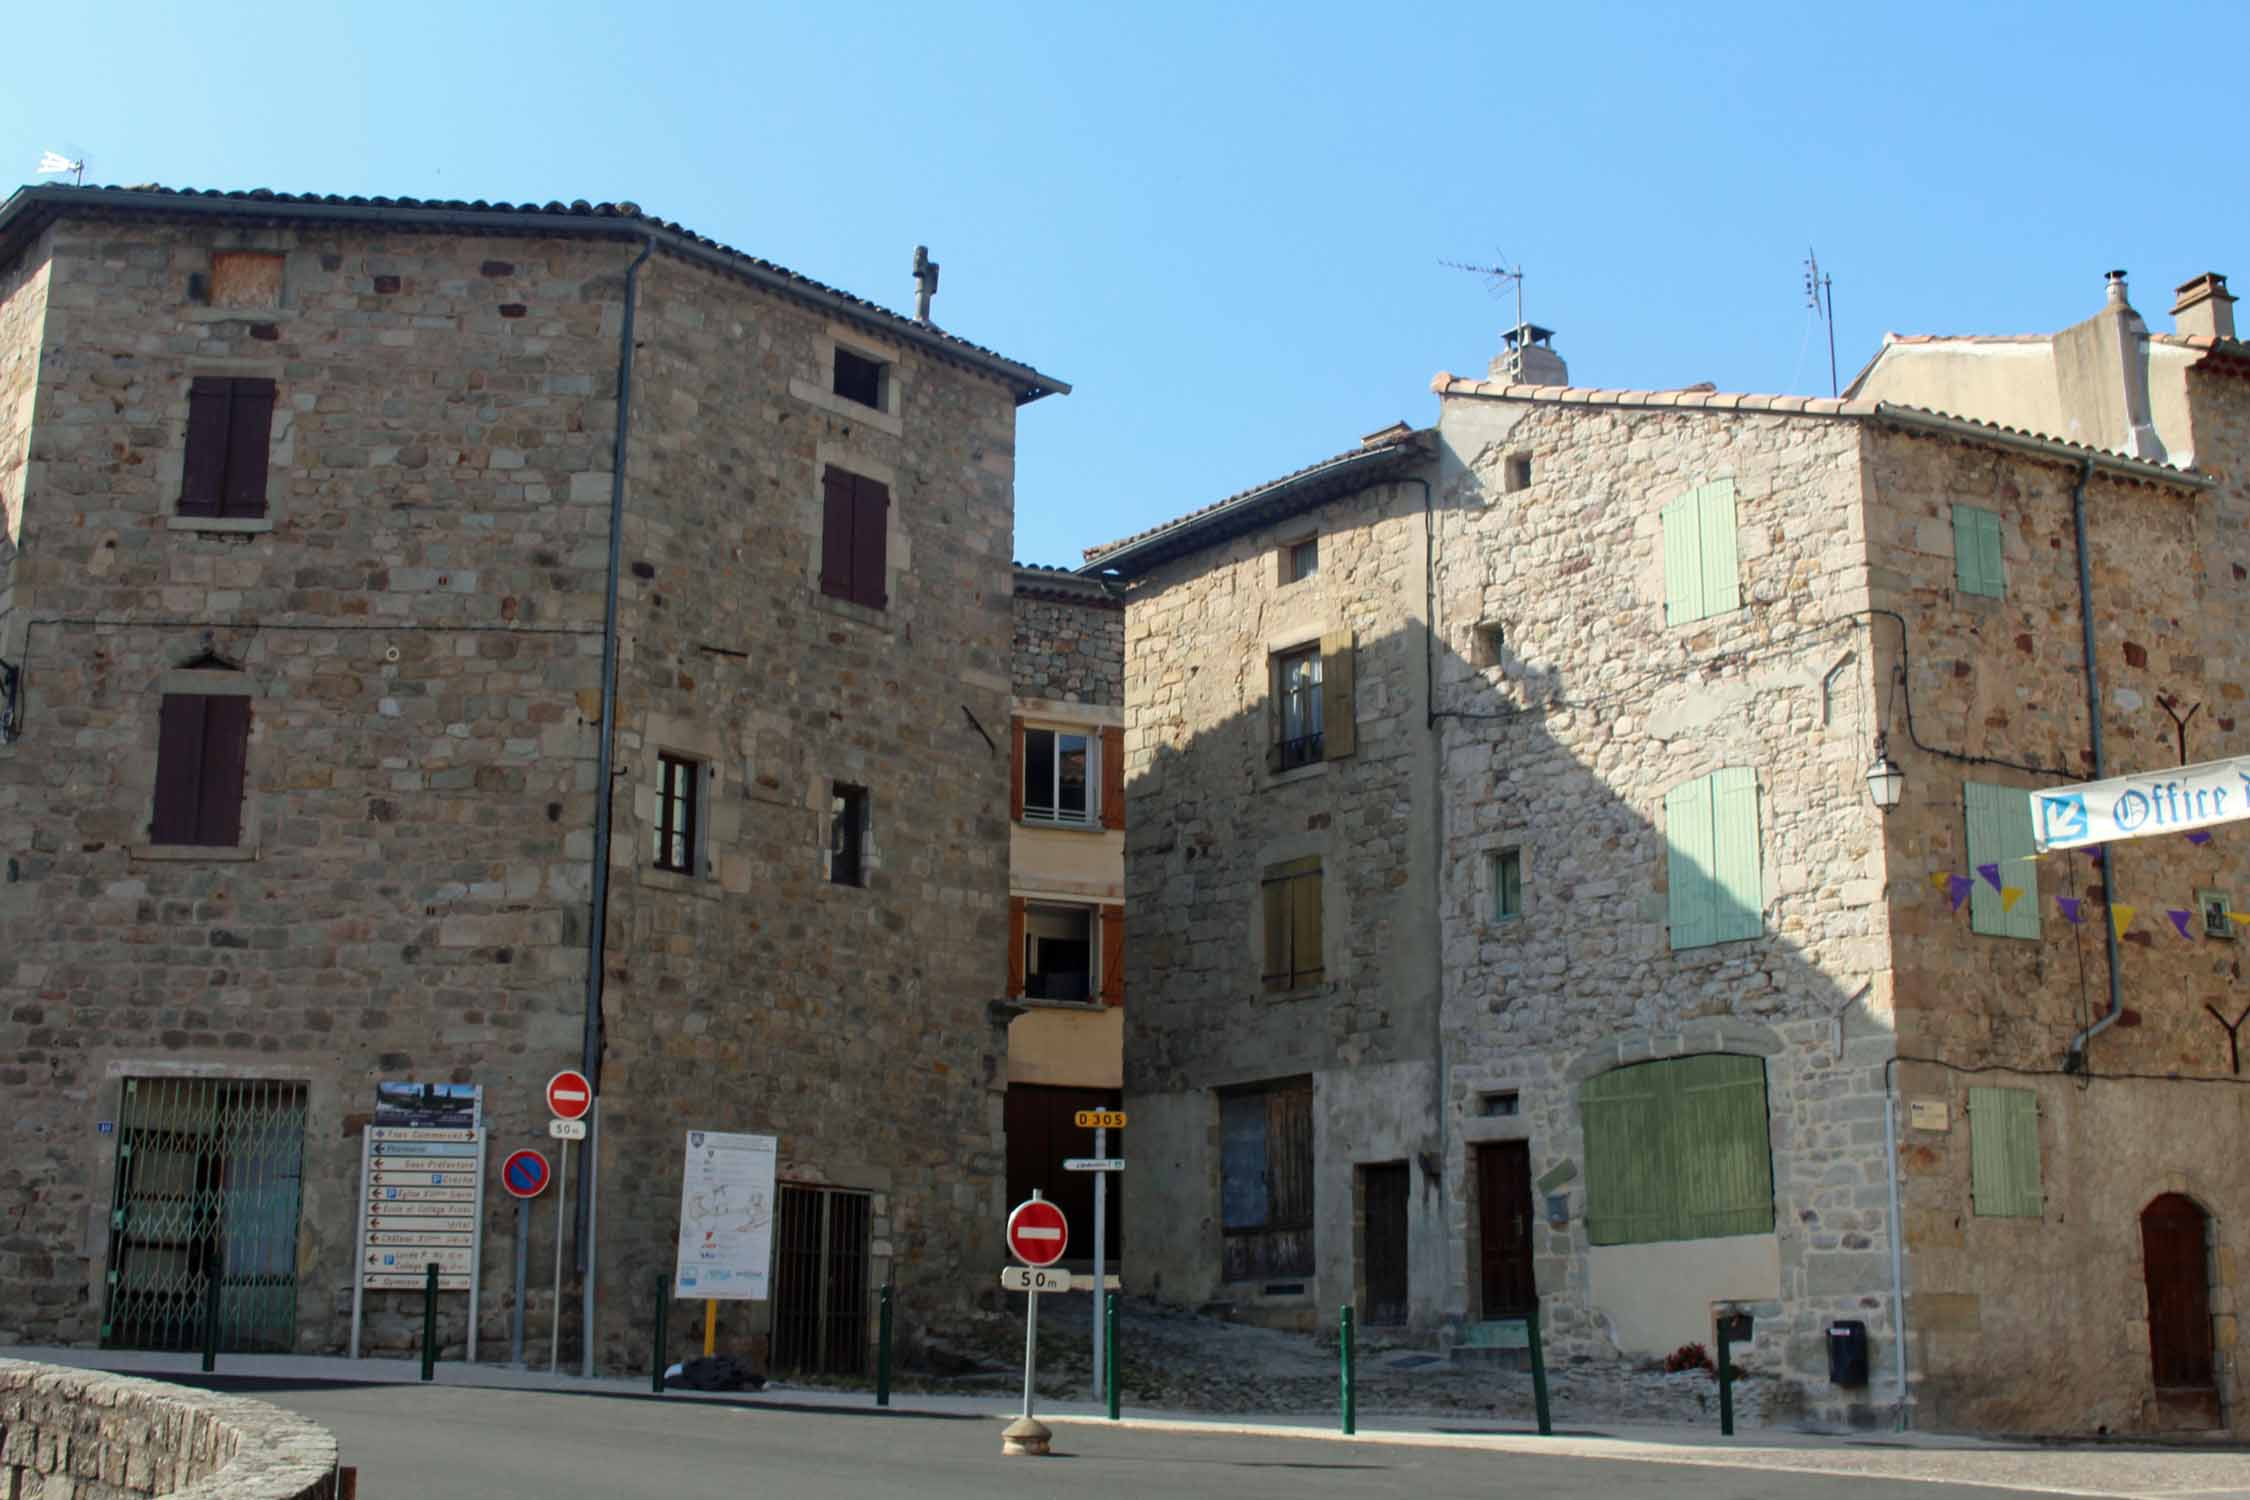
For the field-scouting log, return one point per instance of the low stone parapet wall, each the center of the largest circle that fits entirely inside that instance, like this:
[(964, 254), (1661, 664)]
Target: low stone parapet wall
[(85, 1435)]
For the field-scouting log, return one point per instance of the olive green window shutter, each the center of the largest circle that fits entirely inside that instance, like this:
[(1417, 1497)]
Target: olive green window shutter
[(1739, 895), (1629, 1195), (1999, 828), (2004, 1153), (1683, 562), (1977, 566), (1337, 725), (1722, 583), (1722, 1153), (1691, 888)]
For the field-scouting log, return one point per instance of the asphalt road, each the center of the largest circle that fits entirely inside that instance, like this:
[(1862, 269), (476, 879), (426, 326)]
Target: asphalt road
[(416, 1443)]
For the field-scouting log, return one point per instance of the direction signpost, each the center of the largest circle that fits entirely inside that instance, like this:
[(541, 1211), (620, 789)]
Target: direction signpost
[(569, 1096), (1101, 1121), (421, 1204), (524, 1174), (1037, 1235)]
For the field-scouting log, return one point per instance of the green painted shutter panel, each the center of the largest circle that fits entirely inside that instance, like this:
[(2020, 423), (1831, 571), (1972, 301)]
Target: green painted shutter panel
[(1722, 581), (2004, 1153), (1683, 563), (1692, 891), (1739, 894), (1988, 545), (1630, 1197), (1999, 828), (1723, 1154), (1977, 567)]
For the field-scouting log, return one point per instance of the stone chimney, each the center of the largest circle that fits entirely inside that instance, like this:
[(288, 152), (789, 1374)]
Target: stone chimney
[(2101, 373), (2205, 307), (1530, 358)]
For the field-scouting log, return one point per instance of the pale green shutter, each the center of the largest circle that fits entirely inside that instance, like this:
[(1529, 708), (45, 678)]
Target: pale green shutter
[(1688, 877), (1630, 1196), (1999, 826), (1683, 562), (1977, 567), (1739, 897), (2004, 1153), (1723, 1154), (1722, 582)]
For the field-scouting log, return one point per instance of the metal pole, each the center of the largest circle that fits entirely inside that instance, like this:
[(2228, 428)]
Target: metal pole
[(1109, 1348), (883, 1352), (1344, 1345), (523, 1275), (476, 1253), (663, 1341), (211, 1311), (1539, 1374), (429, 1322), (562, 1219), (1726, 1381), (359, 1242), (592, 1209), (1101, 1281), (1030, 1348)]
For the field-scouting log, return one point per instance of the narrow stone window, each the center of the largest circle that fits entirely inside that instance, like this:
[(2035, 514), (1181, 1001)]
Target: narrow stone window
[(1296, 683), (847, 834), (1300, 560), (1507, 884), (1519, 472), (1291, 894), (678, 806)]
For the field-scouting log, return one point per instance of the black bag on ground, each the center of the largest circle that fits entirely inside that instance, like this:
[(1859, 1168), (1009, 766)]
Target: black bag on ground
[(721, 1372)]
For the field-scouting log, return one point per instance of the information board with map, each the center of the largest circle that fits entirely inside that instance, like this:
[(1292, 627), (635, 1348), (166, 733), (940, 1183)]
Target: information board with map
[(726, 1216)]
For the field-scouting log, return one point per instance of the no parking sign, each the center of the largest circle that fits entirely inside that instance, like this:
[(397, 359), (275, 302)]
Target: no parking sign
[(525, 1174)]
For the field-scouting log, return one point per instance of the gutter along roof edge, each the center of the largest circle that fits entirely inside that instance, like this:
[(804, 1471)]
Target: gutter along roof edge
[(30, 209)]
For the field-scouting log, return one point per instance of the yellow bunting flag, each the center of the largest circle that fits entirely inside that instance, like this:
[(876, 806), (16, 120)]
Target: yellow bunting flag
[(2121, 917), (1938, 881), (2009, 896), (2239, 916)]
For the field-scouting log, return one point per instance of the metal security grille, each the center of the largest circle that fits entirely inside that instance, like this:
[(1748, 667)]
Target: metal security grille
[(820, 1281), (208, 1183)]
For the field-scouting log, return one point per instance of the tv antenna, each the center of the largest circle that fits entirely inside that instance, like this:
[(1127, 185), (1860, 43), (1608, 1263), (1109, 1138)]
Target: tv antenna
[(1820, 296), (54, 162), (1498, 276)]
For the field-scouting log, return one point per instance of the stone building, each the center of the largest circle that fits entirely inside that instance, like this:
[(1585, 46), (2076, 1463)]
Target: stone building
[(1690, 1029), (320, 520), (1065, 970)]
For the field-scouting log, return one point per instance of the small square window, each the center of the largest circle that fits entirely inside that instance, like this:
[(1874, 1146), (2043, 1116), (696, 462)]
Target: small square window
[(1500, 1105), (679, 787), (1300, 560), (245, 279), (859, 378), (1519, 472), (2218, 914), (847, 834), (1507, 884), (1492, 644)]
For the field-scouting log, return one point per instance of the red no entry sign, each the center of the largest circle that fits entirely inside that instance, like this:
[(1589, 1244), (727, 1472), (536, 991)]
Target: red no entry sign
[(524, 1174), (1038, 1233), (569, 1095)]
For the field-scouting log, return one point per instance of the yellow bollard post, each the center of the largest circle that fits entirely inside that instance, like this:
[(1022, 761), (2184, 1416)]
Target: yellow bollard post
[(710, 1327)]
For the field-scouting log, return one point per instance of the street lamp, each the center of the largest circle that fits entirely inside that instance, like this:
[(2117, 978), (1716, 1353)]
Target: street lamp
[(1885, 781)]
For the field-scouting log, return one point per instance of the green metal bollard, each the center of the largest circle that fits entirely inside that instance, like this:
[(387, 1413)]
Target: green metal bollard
[(1109, 1353), (211, 1322), (1344, 1343), (1726, 1382), (429, 1323), (1539, 1374), (883, 1353), (663, 1332)]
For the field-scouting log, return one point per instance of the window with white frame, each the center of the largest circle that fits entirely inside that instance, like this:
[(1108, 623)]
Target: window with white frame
[(1059, 775)]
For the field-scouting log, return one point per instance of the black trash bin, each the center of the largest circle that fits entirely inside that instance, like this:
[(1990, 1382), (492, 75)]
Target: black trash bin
[(1847, 1352)]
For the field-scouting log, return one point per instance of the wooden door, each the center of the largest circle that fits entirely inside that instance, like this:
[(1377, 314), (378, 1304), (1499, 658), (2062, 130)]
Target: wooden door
[(1042, 1131), (1383, 1195), (1504, 1224), (2178, 1267)]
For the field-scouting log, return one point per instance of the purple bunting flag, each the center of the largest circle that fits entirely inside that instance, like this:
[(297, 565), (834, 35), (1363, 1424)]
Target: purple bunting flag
[(1991, 873), (2180, 920), (2200, 836), (1959, 886), (2073, 908)]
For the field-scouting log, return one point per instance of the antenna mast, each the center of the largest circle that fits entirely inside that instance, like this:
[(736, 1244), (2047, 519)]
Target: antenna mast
[(1820, 296), (1500, 275)]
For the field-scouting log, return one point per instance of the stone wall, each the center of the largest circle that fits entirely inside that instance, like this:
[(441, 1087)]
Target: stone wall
[(1208, 818), (1068, 649), (94, 1436), (23, 310), (2004, 679), (419, 626), (1562, 741)]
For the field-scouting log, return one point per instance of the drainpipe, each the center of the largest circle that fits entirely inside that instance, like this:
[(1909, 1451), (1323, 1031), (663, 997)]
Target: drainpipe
[(1437, 815), (1898, 1238), (2075, 1059), (590, 1053)]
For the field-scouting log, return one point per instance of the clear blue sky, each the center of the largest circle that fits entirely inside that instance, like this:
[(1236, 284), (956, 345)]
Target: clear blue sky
[(1223, 225)]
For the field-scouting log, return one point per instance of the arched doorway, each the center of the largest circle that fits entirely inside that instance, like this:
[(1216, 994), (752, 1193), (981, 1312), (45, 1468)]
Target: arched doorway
[(2176, 1258)]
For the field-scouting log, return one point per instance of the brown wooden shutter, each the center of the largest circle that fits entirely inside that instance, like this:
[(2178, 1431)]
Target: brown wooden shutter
[(836, 533), (249, 440), (1113, 955), (179, 769), (870, 527), (1015, 774), (1113, 778), (1337, 729), (226, 754), (1015, 944), (203, 476)]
